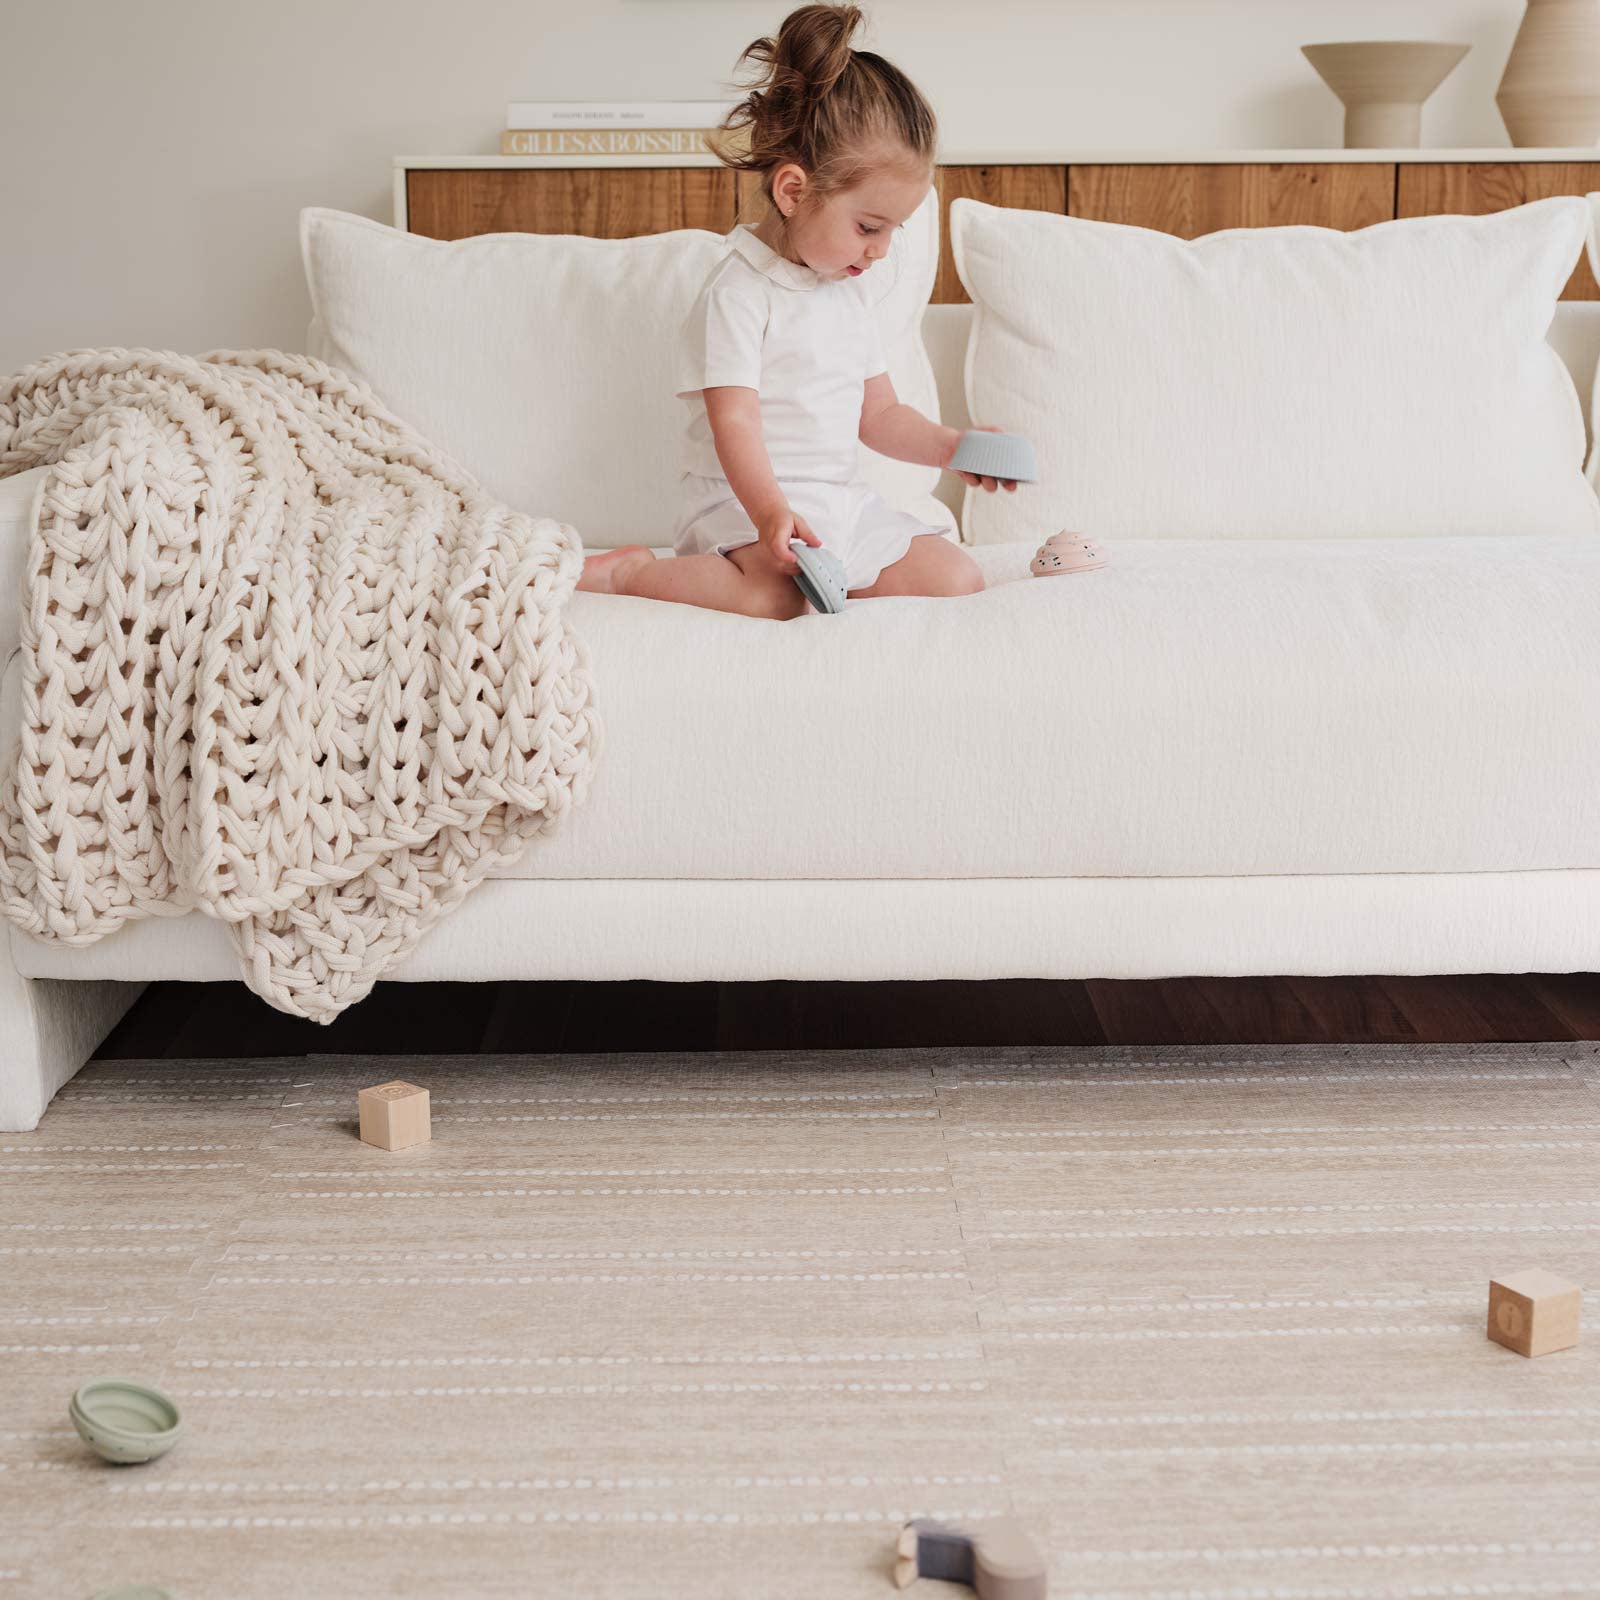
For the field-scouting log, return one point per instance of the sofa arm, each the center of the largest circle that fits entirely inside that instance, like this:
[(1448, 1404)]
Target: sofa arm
[(49, 1027), (19, 506)]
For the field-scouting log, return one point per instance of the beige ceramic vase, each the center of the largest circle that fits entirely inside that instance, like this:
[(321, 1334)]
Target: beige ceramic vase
[(1550, 91), (1383, 83)]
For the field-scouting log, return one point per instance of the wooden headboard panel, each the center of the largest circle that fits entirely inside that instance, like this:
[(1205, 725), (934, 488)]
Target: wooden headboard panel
[(1183, 198)]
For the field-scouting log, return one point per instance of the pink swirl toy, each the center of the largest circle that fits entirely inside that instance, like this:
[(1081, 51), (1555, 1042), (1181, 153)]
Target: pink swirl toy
[(1066, 552)]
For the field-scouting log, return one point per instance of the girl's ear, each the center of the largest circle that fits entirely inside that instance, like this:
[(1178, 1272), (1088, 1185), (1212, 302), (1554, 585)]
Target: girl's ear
[(788, 187)]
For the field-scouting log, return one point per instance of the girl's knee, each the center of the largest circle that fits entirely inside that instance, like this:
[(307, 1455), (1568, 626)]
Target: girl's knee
[(963, 577), (785, 602), (778, 599)]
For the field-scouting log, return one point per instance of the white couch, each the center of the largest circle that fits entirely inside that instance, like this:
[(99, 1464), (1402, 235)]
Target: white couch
[(1209, 757)]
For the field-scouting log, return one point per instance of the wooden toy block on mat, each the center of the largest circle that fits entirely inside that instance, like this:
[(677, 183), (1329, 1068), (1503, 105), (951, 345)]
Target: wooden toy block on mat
[(394, 1115), (1533, 1312)]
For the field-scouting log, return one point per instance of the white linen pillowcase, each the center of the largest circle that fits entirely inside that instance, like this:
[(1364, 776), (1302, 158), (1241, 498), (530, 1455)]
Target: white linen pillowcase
[(1292, 382), (1592, 468), (542, 362)]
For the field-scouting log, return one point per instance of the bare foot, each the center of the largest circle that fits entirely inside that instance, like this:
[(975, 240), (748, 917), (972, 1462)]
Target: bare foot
[(601, 572)]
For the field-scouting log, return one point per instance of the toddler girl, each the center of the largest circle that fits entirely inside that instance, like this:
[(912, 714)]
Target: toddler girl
[(779, 361)]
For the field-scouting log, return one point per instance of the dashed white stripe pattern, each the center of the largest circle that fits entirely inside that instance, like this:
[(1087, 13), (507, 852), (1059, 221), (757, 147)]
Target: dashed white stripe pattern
[(690, 1358), (470, 1390), (894, 1516), (685, 1191), (803, 1480), (1206, 1419)]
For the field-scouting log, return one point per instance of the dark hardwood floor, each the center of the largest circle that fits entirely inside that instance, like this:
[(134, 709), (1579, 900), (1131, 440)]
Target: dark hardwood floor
[(225, 1019)]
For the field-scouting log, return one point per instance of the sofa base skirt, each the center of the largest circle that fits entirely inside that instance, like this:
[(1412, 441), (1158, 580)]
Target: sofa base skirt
[(695, 930)]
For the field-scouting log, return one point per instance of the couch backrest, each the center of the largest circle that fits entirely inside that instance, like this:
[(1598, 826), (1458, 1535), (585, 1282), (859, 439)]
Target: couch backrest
[(1575, 334)]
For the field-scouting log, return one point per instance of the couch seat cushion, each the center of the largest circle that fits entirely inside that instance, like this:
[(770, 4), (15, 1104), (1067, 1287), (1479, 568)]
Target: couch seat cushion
[(1193, 708)]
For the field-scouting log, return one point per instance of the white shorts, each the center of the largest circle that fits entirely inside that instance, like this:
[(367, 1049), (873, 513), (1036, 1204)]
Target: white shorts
[(864, 531)]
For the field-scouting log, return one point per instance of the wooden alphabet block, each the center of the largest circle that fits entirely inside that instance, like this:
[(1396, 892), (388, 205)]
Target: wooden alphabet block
[(394, 1115), (1533, 1312)]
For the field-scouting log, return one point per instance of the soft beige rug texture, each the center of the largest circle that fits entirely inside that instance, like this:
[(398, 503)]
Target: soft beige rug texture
[(1210, 1319)]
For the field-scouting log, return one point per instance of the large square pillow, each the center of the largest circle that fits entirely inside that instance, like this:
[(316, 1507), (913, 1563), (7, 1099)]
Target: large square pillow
[(1276, 383), (543, 362), (1590, 336)]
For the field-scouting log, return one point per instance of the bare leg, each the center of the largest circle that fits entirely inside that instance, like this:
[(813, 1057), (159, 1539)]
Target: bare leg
[(932, 565), (600, 572), (748, 580)]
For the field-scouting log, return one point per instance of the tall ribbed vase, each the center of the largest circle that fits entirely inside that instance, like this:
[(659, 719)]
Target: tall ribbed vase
[(1550, 91)]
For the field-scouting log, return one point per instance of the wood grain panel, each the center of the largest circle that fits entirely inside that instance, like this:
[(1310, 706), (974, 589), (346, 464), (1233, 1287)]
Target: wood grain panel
[(600, 202), (1474, 188), (1029, 188), (1195, 199)]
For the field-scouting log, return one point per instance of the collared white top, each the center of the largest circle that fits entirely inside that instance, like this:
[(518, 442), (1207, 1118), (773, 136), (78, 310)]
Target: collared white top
[(805, 343)]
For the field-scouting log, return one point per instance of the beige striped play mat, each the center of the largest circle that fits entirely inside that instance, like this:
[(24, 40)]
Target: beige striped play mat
[(1209, 1320)]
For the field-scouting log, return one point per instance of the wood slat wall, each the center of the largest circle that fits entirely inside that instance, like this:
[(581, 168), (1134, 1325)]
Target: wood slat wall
[(1183, 199), (1426, 190)]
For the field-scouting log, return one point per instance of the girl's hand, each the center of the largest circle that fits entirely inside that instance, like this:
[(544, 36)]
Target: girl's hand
[(977, 481), (778, 529)]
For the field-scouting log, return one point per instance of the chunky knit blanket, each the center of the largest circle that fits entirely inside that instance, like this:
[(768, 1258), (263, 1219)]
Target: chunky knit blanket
[(283, 661)]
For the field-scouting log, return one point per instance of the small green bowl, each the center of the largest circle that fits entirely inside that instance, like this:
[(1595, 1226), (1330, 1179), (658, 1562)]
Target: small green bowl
[(124, 1421)]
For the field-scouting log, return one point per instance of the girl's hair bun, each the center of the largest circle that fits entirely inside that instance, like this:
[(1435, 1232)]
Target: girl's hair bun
[(824, 105)]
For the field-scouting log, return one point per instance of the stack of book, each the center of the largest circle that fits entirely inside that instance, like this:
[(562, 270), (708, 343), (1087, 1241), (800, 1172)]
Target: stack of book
[(614, 127)]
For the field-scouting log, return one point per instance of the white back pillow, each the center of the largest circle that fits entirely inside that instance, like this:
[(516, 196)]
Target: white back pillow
[(542, 362), (1593, 332), (1277, 383)]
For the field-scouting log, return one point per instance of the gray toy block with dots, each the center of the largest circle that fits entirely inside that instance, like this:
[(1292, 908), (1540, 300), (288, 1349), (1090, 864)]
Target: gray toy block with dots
[(821, 576)]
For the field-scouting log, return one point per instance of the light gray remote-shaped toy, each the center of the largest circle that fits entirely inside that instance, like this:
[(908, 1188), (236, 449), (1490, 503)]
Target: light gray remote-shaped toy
[(821, 576), (995, 455)]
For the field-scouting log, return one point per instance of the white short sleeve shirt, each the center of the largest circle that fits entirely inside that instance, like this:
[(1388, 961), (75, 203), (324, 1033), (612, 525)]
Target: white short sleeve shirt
[(805, 343)]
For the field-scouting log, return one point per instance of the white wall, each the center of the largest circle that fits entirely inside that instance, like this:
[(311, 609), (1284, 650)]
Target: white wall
[(158, 151)]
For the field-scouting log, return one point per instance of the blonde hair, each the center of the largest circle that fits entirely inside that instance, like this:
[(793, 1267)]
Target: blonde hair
[(837, 112)]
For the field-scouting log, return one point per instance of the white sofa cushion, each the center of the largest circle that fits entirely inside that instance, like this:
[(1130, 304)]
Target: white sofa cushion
[(1291, 382), (1194, 708), (542, 362)]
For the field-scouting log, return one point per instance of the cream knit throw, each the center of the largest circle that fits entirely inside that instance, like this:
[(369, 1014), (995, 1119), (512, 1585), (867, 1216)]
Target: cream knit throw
[(283, 661)]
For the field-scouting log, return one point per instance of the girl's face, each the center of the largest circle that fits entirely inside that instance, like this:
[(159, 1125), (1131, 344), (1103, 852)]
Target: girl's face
[(843, 235)]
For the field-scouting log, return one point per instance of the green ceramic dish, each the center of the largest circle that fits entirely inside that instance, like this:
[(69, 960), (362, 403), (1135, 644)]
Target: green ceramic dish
[(124, 1421)]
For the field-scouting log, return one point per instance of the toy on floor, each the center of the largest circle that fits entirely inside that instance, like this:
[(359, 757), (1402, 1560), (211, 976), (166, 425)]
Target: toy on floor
[(394, 1115), (995, 455), (125, 1422), (1533, 1312), (1066, 552), (821, 576), (998, 1560)]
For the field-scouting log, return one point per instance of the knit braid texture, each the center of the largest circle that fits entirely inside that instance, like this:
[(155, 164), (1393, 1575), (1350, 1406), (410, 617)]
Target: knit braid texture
[(283, 661)]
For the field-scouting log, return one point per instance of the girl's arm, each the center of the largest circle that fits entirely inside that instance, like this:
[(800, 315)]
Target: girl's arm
[(734, 413), (901, 431)]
